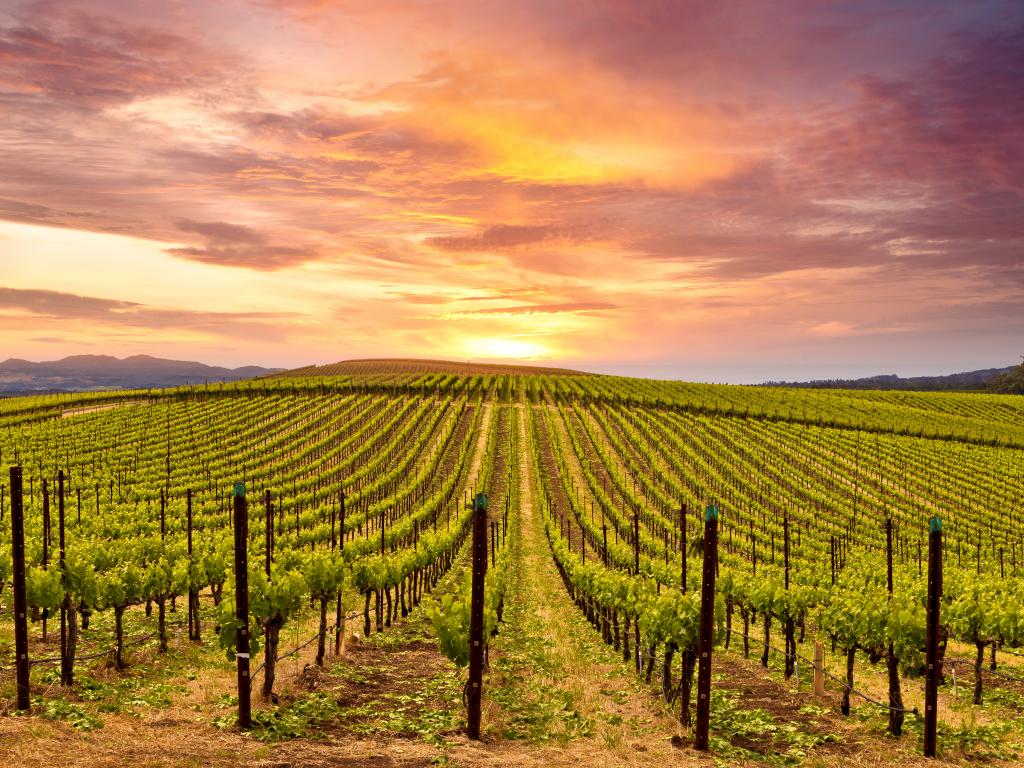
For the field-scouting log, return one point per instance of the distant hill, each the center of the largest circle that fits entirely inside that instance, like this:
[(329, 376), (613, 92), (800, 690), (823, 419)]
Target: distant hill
[(1010, 383), (94, 372), (409, 365), (959, 382)]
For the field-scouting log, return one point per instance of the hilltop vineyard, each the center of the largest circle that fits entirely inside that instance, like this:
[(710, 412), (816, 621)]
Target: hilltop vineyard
[(356, 488)]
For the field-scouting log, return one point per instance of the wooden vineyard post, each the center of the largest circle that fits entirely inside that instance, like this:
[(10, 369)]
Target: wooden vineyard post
[(18, 584), (832, 549), (193, 593), (268, 540), (334, 532), (241, 528), (931, 688), (46, 538), (636, 543), (66, 666), (707, 629), (895, 695), (476, 616), (339, 613), (888, 553), (789, 629), (753, 551), (819, 669), (682, 547)]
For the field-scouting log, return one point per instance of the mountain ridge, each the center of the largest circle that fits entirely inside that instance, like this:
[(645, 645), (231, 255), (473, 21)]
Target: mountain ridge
[(952, 382), (77, 373)]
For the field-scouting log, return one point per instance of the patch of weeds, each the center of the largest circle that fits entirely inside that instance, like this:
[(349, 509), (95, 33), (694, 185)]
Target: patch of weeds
[(356, 673), (974, 741), (430, 714), (982, 742), (617, 695), (190, 673), (611, 718), (152, 696), (126, 695), (294, 720), (282, 723), (736, 733), (814, 710), (72, 714), (397, 637), (958, 701), (874, 718), (90, 689), (1004, 697), (224, 722)]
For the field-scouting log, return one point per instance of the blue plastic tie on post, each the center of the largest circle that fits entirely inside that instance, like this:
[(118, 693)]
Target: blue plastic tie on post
[(935, 525), (239, 489), (711, 513)]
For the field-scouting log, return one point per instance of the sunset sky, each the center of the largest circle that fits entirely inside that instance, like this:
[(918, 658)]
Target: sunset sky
[(723, 191)]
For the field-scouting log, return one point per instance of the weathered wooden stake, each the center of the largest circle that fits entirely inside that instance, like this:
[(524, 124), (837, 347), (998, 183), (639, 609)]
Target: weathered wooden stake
[(268, 541), (476, 616), (682, 547), (707, 629), (819, 668), (788, 624), (67, 675), (932, 671), (46, 540), (339, 612), (18, 585), (896, 715), (193, 593), (636, 544), (241, 527)]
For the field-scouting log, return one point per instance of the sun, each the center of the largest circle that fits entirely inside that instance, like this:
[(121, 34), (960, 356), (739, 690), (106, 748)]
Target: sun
[(504, 348)]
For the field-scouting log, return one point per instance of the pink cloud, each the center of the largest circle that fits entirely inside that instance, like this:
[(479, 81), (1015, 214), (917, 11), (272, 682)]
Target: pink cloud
[(91, 61)]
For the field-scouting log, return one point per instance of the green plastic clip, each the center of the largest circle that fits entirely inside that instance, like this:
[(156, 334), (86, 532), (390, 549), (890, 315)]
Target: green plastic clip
[(711, 513), (239, 490), (935, 525)]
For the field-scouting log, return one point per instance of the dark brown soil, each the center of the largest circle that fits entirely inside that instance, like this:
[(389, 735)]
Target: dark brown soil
[(758, 691)]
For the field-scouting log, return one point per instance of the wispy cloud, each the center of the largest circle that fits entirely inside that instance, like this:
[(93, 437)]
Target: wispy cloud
[(21, 308), (238, 246), (543, 309)]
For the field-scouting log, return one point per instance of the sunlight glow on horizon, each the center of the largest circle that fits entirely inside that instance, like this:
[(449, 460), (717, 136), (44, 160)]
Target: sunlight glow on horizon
[(505, 349)]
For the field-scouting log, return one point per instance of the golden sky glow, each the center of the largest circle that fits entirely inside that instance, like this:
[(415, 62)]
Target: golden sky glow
[(724, 191)]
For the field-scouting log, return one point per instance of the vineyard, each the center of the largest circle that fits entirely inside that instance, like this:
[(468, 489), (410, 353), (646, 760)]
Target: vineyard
[(351, 494)]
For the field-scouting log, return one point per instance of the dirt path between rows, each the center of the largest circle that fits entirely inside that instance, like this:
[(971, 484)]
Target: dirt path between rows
[(557, 695)]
